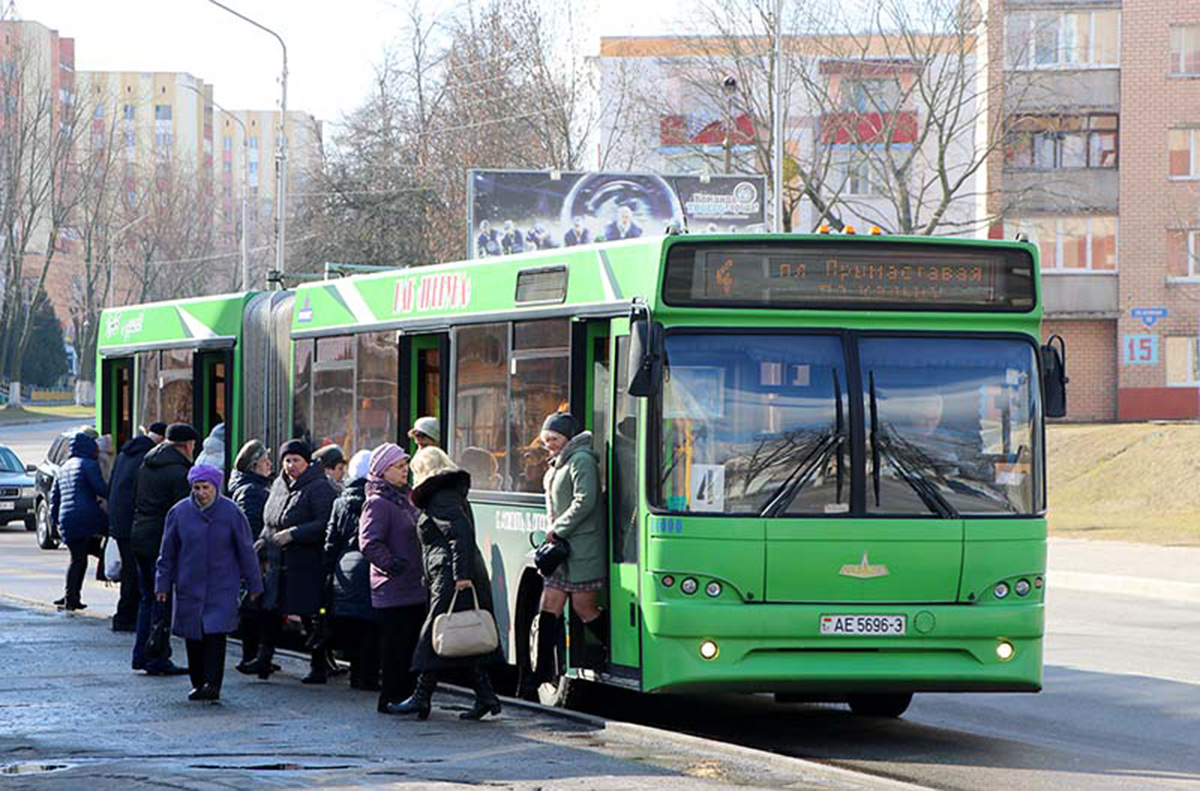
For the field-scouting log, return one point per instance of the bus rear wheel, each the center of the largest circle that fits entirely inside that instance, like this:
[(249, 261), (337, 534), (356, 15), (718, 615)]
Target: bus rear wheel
[(880, 705), (561, 691)]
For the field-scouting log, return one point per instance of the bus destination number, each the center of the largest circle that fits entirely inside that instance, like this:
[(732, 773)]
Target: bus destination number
[(871, 625)]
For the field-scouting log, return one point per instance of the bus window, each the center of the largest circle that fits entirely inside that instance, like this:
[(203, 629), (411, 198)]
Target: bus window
[(176, 376), (481, 396), (955, 429), (333, 393), (624, 464), (376, 396), (147, 383), (302, 390)]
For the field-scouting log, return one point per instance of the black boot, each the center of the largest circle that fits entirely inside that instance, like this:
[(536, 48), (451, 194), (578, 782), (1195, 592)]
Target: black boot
[(597, 653), (318, 668), (262, 665), (421, 700), (486, 701)]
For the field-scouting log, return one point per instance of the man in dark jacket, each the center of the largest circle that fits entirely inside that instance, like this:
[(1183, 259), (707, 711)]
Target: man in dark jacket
[(75, 508), (120, 521), (159, 484)]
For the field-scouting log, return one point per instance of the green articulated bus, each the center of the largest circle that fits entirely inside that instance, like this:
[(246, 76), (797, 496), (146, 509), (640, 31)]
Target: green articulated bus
[(823, 456)]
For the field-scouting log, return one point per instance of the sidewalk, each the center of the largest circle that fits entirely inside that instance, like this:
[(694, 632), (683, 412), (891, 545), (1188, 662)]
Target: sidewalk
[(1123, 568)]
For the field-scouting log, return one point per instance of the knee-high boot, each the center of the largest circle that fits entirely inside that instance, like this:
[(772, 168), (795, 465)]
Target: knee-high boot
[(486, 701), (546, 669), (421, 700), (598, 627)]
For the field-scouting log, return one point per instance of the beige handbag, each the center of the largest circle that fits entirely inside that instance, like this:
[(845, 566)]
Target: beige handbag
[(467, 633)]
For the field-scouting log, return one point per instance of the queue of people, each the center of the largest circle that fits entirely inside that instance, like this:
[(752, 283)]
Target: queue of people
[(346, 545)]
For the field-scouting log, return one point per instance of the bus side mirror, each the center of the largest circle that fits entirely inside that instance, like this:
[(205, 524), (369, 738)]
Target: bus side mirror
[(1054, 377), (645, 355)]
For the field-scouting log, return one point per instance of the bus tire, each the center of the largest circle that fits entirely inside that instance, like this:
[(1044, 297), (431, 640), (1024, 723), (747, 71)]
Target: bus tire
[(890, 705)]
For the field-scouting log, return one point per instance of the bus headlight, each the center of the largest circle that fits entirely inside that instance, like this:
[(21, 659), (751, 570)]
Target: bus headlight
[(689, 586), (713, 589), (1005, 650), (709, 650), (668, 580), (1001, 590), (1022, 587)]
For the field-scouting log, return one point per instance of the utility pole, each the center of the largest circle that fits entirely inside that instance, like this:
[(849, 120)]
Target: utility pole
[(729, 88), (777, 113), (276, 276)]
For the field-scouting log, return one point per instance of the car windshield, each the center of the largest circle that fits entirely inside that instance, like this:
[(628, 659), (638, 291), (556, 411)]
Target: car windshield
[(754, 424), (952, 426), (9, 461)]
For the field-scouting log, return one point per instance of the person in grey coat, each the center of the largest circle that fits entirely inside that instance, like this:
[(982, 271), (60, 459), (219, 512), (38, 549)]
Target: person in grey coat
[(574, 505), (206, 554), (293, 546), (453, 564), (349, 578)]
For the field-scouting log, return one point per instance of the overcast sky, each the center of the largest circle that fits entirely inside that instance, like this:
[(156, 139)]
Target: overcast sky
[(331, 45)]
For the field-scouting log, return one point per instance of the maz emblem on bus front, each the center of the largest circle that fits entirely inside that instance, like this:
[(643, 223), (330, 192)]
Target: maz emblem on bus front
[(864, 570)]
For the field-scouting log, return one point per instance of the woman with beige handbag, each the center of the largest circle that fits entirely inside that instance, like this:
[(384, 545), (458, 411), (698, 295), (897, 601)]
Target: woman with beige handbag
[(456, 633)]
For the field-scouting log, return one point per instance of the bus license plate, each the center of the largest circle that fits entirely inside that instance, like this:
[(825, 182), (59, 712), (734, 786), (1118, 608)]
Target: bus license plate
[(868, 625)]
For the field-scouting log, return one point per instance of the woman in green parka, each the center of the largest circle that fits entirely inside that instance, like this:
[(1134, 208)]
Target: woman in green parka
[(574, 505)]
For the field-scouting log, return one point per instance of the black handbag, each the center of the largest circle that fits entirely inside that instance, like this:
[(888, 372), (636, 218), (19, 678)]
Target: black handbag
[(158, 642), (550, 555)]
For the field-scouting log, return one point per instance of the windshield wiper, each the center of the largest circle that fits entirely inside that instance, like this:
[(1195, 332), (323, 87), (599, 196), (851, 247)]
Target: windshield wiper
[(883, 444), (802, 473)]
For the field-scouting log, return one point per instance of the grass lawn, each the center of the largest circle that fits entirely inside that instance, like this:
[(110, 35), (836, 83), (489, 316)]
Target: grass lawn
[(37, 414), (1125, 482)]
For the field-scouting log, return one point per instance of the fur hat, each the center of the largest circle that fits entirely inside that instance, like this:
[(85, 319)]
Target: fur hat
[(249, 455)]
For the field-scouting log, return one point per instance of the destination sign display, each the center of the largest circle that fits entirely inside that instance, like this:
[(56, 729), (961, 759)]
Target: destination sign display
[(851, 275)]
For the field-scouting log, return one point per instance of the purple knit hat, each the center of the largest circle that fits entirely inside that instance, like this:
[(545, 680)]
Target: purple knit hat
[(383, 457), (205, 472)]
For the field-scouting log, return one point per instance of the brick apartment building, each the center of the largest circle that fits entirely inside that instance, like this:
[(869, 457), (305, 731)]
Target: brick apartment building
[(1113, 140)]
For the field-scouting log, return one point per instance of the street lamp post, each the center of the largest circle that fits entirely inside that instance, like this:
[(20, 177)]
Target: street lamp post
[(281, 169), (777, 112), (245, 181), (729, 88)]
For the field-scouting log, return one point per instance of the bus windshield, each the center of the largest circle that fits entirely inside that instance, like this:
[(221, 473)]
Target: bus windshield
[(762, 425)]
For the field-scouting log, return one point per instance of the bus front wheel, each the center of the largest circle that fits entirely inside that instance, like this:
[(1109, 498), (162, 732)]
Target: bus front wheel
[(880, 705)]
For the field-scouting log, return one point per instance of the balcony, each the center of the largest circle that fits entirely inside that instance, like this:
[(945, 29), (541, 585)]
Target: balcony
[(1079, 295), (1063, 190), (854, 128)]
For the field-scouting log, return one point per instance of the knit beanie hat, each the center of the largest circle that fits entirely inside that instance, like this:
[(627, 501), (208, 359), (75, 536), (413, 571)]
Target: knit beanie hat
[(561, 423), (158, 427), (296, 447), (249, 455), (428, 426), (206, 472), (359, 466), (383, 457), (329, 456)]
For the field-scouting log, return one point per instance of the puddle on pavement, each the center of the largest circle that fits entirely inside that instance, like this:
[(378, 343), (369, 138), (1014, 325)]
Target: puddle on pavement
[(279, 767), (32, 769)]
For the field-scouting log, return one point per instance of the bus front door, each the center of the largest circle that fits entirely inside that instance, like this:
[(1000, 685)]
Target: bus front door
[(623, 519), (424, 383)]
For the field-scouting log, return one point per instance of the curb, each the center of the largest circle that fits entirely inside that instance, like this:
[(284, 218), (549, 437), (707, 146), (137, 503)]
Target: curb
[(1127, 586), (820, 773)]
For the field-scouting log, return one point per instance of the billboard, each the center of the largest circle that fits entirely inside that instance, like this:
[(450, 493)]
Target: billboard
[(513, 211)]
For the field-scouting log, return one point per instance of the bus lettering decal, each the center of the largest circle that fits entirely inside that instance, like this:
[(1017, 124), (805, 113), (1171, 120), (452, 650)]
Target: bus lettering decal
[(521, 521), (431, 292)]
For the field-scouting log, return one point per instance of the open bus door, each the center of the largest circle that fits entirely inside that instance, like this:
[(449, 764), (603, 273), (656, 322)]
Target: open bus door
[(424, 383), (116, 415), (623, 521), (212, 398)]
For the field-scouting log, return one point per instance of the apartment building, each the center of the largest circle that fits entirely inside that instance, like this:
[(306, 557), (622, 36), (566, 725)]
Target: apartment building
[(1103, 159)]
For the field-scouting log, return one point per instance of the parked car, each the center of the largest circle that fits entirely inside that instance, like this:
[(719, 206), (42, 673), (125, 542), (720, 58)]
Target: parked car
[(43, 484), (16, 490)]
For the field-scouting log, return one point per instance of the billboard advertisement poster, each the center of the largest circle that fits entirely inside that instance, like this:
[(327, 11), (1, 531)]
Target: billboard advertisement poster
[(514, 211)]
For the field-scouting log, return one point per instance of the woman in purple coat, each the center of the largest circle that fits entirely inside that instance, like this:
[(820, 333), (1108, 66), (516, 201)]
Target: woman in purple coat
[(206, 555), (387, 537)]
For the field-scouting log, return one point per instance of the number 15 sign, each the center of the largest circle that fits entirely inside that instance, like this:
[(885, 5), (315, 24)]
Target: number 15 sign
[(1140, 349)]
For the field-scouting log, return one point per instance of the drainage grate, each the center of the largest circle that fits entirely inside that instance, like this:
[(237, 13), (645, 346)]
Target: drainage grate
[(32, 769)]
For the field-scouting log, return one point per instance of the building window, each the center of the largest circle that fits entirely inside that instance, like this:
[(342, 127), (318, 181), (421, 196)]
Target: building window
[(254, 144), (1052, 142), (1183, 362), (870, 95), (1183, 146), (162, 141), (98, 113), (1071, 244), (128, 112), (851, 175), (1063, 39), (227, 143), (1185, 50), (1183, 253), (162, 112)]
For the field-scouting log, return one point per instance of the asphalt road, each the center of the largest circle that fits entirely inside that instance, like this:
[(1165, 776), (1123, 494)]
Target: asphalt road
[(1120, 709)]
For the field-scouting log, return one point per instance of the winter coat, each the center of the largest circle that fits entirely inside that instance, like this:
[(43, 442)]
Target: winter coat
[(250, 491), (158, 485), (295, 574), (387, 533), (78, 488), (446, 528), (345, 565), (124, 474), (206, 553), (575, 506)]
